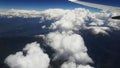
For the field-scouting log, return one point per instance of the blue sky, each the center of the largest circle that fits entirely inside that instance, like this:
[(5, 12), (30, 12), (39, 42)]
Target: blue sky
[(45, 4)]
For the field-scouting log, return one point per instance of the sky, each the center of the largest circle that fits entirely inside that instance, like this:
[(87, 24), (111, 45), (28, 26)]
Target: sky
[(46, 4)]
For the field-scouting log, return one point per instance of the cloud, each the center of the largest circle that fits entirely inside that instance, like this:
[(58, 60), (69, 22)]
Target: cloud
[(76, 19), (73, 0), (48, 14), (32, 56), (99, 30), (72, 20), (68, 46), (73, 65), (79, 19), (65, 38), (54, 14), (19, 13)]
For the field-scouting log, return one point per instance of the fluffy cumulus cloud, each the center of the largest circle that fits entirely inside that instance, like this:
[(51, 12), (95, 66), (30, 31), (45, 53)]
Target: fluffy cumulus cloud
[(68, 46), (34, 57), (72, 20), (65, 38)]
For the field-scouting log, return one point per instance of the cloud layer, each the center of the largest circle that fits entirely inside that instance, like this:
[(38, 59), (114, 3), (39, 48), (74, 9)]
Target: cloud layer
[(75, 19), (65, 37)]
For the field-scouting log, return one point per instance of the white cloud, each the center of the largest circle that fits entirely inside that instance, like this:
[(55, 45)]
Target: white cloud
[(79, 19), (43, 27), (69, 65), (72, 20), (54, 13), (34, 58), (58, 40), (68, 46), (20, 13), (99, 30), (48, 14), (73, 0), (84, 66), (73, 65), (75, 19)]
